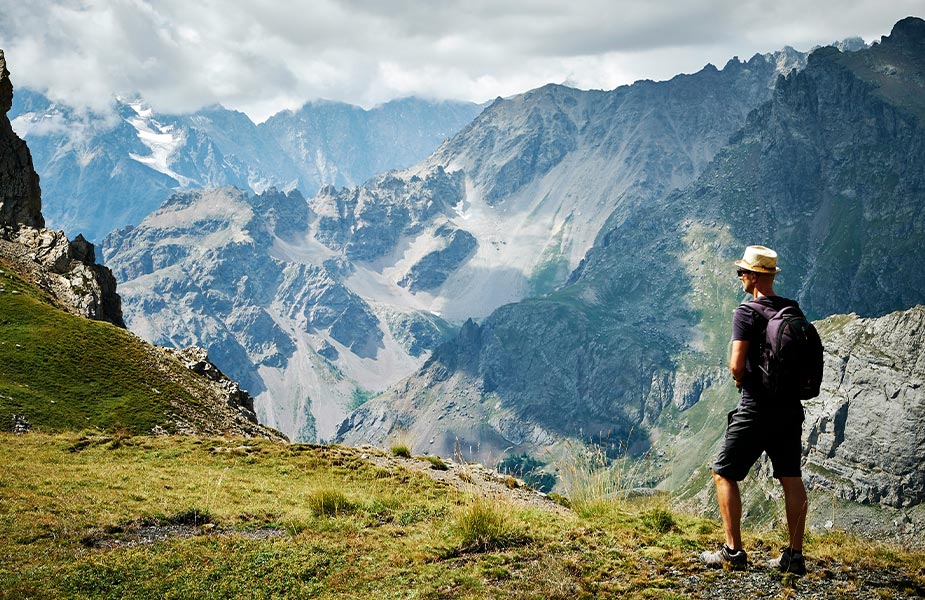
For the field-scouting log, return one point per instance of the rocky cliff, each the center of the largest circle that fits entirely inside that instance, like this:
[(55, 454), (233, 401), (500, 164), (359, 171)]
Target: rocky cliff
[(67, 270), (20, 196), (865, 434)]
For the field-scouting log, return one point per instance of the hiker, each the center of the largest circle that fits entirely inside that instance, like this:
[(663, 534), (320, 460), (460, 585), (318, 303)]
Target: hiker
[(761, 422)]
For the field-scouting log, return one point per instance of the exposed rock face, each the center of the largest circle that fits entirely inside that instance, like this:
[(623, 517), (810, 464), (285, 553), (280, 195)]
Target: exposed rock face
[(433, 269), (241, 275), (367, 222), (67, 270), (20, 196), (837, 159), (342, 145), (322, 302), (865, 434)]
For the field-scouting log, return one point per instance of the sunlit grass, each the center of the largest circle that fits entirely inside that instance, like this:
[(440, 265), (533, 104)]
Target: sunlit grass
[(487, 524), (256, 519)]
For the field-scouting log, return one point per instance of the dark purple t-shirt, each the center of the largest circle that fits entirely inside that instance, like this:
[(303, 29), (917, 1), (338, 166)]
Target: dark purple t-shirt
[(748, 326)]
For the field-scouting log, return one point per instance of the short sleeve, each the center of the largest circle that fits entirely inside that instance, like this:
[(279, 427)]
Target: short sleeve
[(743, 320)]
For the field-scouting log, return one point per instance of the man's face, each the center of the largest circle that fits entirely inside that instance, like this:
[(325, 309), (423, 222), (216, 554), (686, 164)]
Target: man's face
[(748, 280)]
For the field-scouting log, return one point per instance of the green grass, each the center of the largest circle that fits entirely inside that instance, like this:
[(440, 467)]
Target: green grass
[(271, 520), (401, 450), (328, 501), (65, 372), (436, 462), (487, 525)]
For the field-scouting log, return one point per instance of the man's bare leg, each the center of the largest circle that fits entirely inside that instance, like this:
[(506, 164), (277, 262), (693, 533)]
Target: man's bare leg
[(797, 506), (730, 508)]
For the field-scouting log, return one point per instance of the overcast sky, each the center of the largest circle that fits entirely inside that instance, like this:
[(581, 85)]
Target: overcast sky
[(261, 56)]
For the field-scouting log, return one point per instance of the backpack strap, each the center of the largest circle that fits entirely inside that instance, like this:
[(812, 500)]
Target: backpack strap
[(769, 313), (765, 312)]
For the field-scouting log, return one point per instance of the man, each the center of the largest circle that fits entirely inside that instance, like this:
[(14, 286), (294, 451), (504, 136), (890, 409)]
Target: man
[(759, 423)]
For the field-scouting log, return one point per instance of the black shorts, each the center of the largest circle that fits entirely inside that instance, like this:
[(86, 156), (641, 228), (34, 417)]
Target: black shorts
[(752, 429)]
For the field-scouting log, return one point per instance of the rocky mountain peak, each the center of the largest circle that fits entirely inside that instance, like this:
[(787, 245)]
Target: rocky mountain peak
[(909, 31), (6, 87)]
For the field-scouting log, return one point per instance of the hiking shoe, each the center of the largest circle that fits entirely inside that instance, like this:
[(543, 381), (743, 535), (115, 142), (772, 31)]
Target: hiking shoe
[(790, 561), (736, 559)]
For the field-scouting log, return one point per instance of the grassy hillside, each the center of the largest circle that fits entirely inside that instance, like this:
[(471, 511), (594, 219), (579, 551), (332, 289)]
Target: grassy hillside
[(62, 372), (112, 516)]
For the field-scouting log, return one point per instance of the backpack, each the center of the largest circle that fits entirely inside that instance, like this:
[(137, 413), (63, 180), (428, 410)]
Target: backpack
[(791, 353)]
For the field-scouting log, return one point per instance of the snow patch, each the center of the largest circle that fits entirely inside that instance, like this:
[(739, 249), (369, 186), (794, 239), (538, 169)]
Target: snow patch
[(162, 140)]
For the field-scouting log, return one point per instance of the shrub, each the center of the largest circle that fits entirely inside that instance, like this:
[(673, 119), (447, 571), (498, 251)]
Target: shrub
[(659, 520)]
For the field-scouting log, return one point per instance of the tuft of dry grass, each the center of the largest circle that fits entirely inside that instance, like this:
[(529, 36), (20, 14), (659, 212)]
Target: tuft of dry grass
[(486, 525), (327, 501), (595, 484)]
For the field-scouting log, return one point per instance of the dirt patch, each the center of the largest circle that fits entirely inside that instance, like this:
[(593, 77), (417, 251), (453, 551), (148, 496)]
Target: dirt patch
[(139, 535)]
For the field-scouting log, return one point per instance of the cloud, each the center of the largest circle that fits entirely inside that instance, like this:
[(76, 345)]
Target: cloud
[(261, 56)]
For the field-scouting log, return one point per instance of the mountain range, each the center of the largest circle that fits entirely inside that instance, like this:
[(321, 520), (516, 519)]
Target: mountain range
[(560, 271), (630, 351), (102, 171), (363, 282)]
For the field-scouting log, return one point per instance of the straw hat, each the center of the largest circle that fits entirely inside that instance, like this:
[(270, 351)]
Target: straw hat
[(759, 259)]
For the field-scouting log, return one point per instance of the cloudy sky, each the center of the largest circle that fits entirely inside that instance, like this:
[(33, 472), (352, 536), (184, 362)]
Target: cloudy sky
[(262, 56)]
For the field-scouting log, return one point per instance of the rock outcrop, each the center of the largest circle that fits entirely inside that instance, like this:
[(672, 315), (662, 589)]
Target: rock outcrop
[(197, 360), (366, 222), (432, 270), (865, 433), (65, 269)]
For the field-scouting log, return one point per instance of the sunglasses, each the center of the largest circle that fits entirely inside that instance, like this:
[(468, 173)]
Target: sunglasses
[(740, 272)]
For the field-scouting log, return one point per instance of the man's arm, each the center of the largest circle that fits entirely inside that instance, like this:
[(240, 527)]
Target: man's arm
[(737, 360)]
